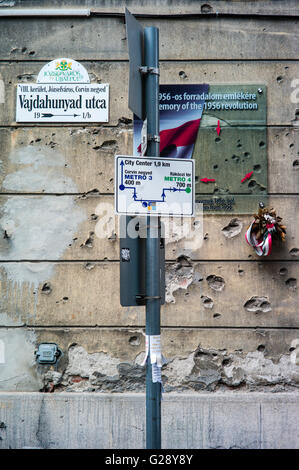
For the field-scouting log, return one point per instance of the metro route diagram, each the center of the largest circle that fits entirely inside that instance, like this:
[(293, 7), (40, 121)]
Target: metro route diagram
[(159, 184)]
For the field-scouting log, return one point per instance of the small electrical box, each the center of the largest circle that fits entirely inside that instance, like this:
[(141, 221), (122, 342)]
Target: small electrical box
[(47, 353)]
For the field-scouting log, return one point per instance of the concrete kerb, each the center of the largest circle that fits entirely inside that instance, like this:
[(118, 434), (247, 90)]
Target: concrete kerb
[(117, 421)]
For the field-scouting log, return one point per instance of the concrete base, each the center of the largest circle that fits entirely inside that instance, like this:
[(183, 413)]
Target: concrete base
[(117, 421)]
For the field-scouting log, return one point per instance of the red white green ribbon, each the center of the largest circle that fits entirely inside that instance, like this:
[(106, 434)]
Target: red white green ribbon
[(263, 247)]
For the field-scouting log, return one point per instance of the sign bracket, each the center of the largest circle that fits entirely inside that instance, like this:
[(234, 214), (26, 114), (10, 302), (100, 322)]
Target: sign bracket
[(153, 138), (147, 297)]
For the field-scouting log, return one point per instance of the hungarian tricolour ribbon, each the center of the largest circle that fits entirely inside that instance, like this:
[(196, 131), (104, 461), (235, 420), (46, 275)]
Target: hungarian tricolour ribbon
[(263, 247)]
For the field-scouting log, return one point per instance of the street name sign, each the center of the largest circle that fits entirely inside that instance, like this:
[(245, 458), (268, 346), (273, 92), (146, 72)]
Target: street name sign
[(154, 186), (63, 93), (62, 103)]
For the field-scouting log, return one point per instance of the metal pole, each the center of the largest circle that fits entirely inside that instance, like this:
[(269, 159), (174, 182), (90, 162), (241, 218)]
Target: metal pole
[(153, 390)]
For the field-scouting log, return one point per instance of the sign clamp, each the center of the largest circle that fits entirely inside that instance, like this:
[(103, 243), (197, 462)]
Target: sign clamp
[(153, 138), (147, 297)]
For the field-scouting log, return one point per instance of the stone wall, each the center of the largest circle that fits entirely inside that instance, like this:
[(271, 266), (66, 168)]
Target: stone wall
[(231, 319)]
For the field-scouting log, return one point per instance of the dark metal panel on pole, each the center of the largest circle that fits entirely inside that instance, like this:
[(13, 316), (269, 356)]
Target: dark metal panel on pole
[(153, 390), (135, 36)]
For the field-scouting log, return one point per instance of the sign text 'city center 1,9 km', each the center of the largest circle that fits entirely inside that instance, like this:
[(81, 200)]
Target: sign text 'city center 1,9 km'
[(154, 186)]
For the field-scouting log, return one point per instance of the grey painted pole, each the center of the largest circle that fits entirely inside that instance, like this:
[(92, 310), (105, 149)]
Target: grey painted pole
[(153, 390)]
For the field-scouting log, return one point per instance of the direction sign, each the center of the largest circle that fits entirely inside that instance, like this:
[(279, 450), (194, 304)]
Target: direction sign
[(154, 186)]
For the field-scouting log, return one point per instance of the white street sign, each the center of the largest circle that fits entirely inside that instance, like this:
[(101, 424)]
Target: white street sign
[(62, 102), (154, 186)]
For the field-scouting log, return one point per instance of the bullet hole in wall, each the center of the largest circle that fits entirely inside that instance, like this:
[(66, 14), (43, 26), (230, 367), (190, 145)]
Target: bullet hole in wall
[(291, 283), (233, 228), (206, 8), (226, 362), (216, 282), (89, 266), (89, 242), (283, 271), (134, 340), (257, 305), (125, 120), (46, 289), (207, 301)]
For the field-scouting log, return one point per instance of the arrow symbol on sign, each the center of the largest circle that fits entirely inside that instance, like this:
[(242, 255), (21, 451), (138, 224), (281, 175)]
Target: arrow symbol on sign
[(218, 127), (45, 115), (178, 189), (207, 180), (247, 177), (122, 171)]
